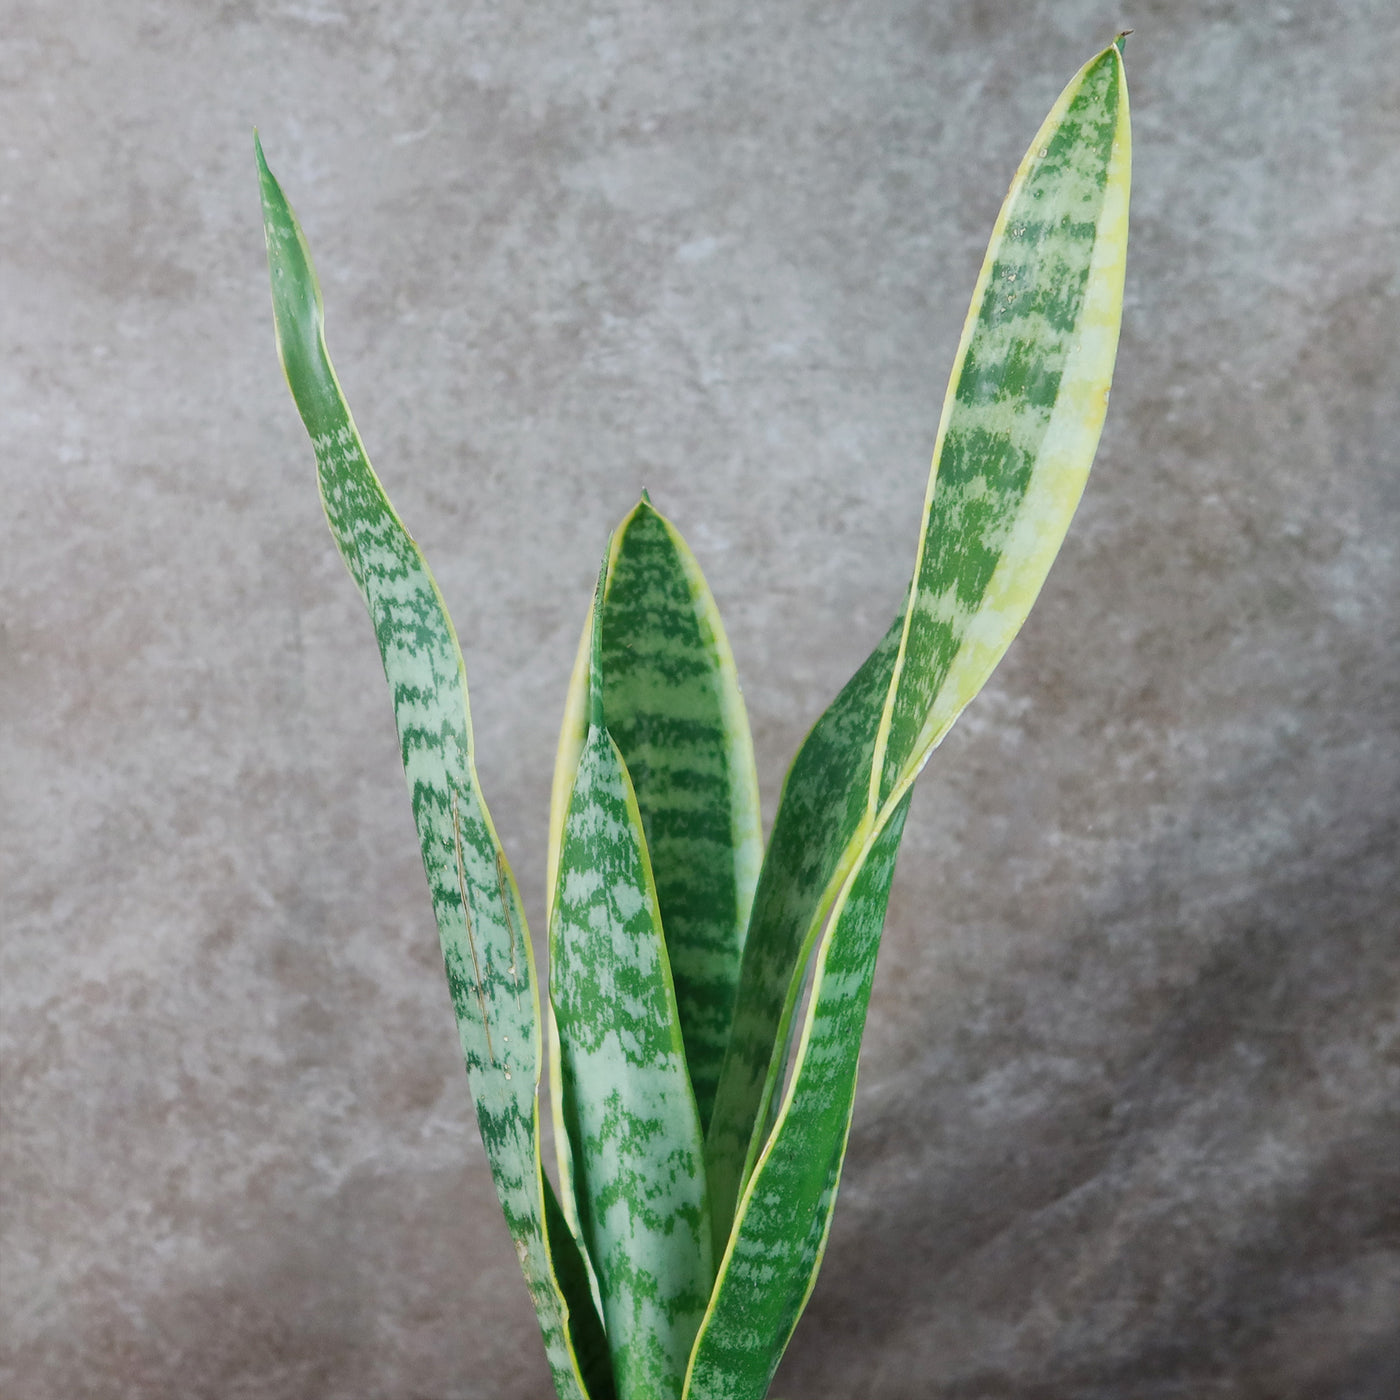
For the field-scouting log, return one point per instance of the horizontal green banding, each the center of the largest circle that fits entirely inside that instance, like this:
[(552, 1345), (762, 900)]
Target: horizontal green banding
[(1019, 428), (481, 924), (636, 1148), (785, 1214), (672, 705), (1025, 330), (822, 809)]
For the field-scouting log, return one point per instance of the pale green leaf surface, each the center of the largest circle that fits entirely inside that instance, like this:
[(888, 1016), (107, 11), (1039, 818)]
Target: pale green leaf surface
[(671, 702), (627, 1105), (1020, 425), (485, 944), (1024, 409)]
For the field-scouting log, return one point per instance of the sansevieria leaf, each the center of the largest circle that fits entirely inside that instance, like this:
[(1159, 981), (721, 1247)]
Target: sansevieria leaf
[(673, 706), (671, 702), (785, 1216), (626, 1101), (823, 806), (485, 943), (1020, 424), (1023, 413)]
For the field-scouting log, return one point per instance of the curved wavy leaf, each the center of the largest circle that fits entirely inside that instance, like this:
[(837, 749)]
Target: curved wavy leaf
[(785, 1215), (626, 1101), (1020, 424), (1024, 410), (485, 943)]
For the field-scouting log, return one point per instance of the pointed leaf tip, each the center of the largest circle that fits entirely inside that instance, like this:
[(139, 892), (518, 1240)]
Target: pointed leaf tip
[(1121, 40), (1019, 426), (672, 705), (595, 645), (484, 940), (265, 175)]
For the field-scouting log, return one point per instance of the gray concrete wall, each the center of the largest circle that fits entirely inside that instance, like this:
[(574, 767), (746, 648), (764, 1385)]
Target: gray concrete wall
[(1128, 1115)]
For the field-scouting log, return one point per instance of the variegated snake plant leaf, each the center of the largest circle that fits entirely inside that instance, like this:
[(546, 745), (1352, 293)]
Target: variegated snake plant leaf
[(702, 1102)]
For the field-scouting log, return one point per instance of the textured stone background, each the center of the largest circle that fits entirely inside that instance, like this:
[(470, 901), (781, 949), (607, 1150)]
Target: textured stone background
[(1129, 1121)]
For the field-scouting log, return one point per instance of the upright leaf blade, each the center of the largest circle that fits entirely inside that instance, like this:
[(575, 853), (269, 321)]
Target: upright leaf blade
[(820, 814), (485, 943), (785, 1215), (1024, 409), (627, 1104), (573, 731), (673, 705), (671, 702), (1018, 433), (1020, 425)]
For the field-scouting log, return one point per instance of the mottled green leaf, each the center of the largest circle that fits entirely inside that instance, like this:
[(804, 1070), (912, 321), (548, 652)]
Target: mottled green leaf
[(1020, 424), (785, 1213), (823, 805), (673, 706), (485, 944), (626, 1101), (671, 702), (1024, 410)]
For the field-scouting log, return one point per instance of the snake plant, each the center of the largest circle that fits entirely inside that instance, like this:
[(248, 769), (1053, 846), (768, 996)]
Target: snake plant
[(707, 994)]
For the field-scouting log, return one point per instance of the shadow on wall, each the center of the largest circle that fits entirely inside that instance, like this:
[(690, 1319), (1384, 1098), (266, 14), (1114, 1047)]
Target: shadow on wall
[(1210, 1205), (362, 1292)]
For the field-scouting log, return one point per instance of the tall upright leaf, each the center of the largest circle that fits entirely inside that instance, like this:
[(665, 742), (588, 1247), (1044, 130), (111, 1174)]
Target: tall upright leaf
[(823, 806), (1020, 424), (626, 1099), (485, 943), (785, 1215), (671, 702), (1023, 413)]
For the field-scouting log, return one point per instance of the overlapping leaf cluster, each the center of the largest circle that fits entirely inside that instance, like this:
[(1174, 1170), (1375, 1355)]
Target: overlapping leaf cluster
[(702, 1103)]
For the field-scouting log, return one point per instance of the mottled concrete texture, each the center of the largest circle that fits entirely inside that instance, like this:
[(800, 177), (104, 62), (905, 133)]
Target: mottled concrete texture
[(1129, 1122)]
